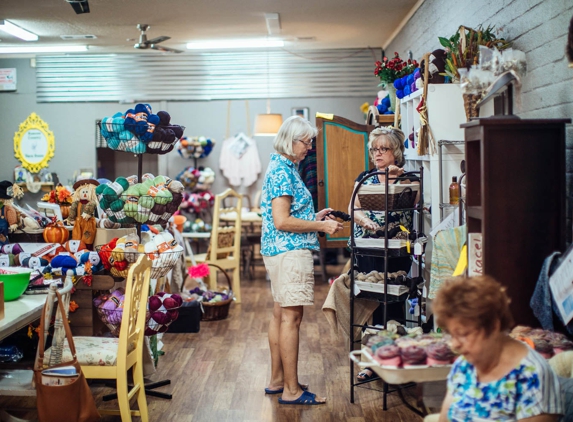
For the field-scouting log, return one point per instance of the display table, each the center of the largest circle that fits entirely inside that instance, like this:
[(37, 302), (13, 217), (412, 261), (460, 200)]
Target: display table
[(21, 312)]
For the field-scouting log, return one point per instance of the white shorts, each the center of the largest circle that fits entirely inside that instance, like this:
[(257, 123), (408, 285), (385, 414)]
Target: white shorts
[(292, 277)]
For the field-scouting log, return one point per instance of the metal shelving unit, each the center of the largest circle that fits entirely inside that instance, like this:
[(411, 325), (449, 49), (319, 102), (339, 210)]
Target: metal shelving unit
[(383, 298)]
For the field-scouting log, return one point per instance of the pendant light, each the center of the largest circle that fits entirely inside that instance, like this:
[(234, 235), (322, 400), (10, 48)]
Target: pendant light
[(268, 124)]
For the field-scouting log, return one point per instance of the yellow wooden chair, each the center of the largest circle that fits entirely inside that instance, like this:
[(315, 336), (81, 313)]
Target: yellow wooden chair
[(225, 242), (111, 358)]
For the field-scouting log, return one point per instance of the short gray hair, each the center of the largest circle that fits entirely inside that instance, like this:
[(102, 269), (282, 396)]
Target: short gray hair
[(295, 128), (394, 136)]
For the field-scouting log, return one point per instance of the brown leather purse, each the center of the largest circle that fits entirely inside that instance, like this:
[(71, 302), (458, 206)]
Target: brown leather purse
[(72, 402)]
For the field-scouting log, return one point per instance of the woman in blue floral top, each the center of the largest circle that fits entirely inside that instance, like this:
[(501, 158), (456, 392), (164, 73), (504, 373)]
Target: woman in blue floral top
[(496, 378), (288, 237)]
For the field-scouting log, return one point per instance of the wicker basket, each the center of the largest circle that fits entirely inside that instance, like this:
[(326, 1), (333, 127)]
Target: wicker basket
[(470, 101), (373, 198), (218, 310)]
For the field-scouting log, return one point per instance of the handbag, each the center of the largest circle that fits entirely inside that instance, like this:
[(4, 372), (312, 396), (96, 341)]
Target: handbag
[(72, 401)]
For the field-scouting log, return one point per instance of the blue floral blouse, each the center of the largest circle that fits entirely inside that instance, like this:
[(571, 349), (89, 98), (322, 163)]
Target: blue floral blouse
[(530, 389), (395, 218), (283, 179)]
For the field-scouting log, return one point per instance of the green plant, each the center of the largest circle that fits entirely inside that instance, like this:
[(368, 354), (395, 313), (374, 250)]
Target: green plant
[(463, 47)]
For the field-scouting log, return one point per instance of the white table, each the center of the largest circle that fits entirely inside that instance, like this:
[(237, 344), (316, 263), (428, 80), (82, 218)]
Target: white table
[(21, 312), (189, 236)]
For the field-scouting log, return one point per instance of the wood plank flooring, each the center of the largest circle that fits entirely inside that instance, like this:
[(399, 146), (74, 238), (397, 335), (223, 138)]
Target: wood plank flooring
[(219, 374)]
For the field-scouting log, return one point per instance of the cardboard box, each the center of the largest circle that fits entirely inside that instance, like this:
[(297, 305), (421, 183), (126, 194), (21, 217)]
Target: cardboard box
[(1, 300), (104, 236)]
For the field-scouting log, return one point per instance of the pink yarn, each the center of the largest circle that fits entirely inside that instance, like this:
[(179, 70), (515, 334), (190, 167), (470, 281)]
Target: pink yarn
[(199, 271)]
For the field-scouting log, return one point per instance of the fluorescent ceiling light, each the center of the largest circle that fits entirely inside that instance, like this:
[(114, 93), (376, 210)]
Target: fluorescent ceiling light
[(251, 43), (15, 30), (48, 49)]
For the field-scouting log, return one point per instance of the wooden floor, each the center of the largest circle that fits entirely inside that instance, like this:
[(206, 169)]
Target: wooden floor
[(219, 374)]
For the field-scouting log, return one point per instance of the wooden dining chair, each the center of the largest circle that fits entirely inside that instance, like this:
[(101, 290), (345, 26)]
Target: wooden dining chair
[(111, 358), (225, 242)]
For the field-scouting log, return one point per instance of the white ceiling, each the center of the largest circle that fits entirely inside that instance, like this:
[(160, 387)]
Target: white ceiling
[(333, 23)]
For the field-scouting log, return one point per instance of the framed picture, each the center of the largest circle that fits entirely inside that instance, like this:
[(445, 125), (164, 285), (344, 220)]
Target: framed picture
[(301, 111)]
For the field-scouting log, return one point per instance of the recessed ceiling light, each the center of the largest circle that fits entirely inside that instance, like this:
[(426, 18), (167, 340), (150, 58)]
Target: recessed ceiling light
[(44, 49), (230, 44), (18, 32)]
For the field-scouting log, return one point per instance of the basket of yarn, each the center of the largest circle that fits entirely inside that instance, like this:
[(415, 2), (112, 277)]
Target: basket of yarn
[(195, 146), (151, 202), (139, 131), (162, 311), (109, 307), (215, 304)]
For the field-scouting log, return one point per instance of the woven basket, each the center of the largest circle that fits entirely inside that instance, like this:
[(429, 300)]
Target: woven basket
[(218, 310), (470, 101), (406, 198)]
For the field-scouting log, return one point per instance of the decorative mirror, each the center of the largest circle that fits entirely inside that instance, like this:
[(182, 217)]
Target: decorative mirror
[(34, 143)]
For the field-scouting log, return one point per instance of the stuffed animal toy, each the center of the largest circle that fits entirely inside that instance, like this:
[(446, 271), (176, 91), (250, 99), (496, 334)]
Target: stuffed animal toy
[(436, 68), (83, 211), (8, 215)]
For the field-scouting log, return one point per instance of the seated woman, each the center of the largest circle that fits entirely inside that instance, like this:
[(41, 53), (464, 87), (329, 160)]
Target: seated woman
[(496, 378), (386, 149)]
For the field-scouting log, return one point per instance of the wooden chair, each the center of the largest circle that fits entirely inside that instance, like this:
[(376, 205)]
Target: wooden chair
[(225, 243), (111, 358)]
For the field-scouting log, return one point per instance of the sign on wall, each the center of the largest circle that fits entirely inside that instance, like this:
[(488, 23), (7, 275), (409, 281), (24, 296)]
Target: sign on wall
[(34, 144), (8, 79)]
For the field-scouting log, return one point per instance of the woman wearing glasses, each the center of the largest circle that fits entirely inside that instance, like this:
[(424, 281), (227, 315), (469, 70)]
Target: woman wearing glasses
[(386, 149), (496, 378), (288, 237)]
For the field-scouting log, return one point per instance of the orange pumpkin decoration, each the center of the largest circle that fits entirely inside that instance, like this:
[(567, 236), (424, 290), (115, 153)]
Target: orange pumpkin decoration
[(65, 209), (56, 233)]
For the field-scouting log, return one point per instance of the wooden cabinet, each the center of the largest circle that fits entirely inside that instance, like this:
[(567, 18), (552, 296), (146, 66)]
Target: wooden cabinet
[(516, 199), (341, 155)]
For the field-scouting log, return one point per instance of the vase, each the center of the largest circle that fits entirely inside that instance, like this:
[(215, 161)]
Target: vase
[(392, 94), (65, 209)]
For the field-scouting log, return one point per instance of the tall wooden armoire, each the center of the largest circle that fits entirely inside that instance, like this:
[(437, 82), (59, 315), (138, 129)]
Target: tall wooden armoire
[(341, 155)]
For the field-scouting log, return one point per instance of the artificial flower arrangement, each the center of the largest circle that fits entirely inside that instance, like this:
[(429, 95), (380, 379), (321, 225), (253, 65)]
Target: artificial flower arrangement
[(388, 70), (463, 50), (60, 195)]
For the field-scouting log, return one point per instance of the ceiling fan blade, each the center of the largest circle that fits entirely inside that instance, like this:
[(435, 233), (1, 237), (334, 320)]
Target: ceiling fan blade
[(158, 39), (165, 49)]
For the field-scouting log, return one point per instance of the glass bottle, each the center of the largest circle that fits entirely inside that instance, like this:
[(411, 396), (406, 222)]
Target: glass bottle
[(454, 191)]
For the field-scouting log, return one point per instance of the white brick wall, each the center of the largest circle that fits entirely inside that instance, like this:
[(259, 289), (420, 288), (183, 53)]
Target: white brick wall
[(537, 27)]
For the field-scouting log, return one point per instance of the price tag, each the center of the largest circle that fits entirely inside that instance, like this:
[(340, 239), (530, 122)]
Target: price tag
[(417, 248)]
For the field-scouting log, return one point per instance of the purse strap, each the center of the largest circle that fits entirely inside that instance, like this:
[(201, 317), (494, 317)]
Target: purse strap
[(40, 361)]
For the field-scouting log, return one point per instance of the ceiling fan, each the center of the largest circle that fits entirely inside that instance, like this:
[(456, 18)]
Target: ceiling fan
[(144, 43)]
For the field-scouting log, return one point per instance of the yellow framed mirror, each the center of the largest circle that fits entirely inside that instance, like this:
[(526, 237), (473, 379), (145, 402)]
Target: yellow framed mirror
[(34, 144)]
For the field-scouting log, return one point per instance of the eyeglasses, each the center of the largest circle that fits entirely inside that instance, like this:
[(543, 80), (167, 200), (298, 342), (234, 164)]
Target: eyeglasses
[(306, 144), (382, 150), (463, 337)]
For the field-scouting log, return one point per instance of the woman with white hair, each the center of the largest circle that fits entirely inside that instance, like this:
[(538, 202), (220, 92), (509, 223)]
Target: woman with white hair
[(288, 239)]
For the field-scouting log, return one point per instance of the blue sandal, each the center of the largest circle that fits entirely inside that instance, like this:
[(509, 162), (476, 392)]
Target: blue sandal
[(280, 390), (305, 398)]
